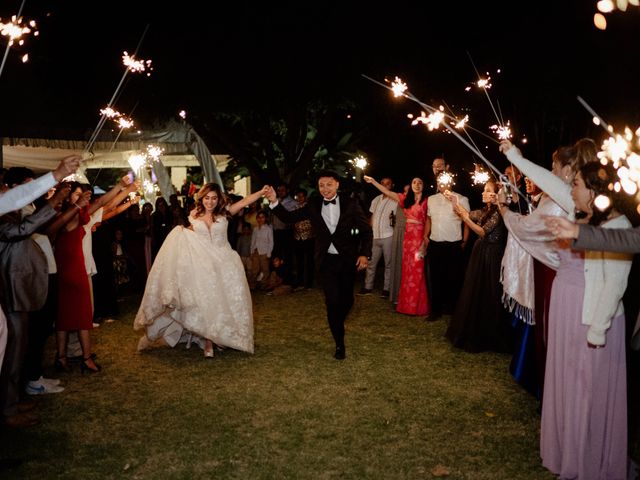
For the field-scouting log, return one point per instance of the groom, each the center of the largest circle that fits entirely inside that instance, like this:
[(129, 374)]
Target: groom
[(343, 244)]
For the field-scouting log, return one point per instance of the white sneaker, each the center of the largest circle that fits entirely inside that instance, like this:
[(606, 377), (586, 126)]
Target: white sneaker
[(40, 388), (54, 382)]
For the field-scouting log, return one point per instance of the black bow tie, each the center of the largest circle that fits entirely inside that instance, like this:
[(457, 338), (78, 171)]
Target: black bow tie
[(327, 202)]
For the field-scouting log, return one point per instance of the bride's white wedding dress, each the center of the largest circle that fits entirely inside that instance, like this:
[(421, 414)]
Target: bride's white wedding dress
[(197, 285)]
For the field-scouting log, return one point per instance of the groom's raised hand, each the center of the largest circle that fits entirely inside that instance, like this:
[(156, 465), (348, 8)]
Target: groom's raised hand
[(271, 194)]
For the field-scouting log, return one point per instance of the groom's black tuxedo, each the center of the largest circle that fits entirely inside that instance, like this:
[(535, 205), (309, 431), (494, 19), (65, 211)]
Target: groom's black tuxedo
[(352, 238)]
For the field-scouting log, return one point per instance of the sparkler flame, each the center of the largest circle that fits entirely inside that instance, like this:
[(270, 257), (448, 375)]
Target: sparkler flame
[(154, 152), (608, 6), (445, 179), (398, 87), (136, 66), (433, 121), (484, 83), (480, 176), (460, 124), (124, 122), (503, 131), (14, 30), (621, 151), (137, 161), (359, 162), (110, 112)]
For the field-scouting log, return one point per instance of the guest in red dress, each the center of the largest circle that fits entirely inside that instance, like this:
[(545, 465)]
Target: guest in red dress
[(412, 298), (74, 295)]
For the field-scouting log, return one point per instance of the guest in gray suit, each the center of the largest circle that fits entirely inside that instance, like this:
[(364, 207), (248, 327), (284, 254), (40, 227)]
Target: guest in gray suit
[(18, 197), (24, 279)]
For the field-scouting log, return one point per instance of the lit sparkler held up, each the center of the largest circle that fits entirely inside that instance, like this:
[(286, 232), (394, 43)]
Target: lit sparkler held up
[(132, 65), (446, 180), (359, 163), (608, 6), (469, 144), (15, 30), (479, 175), (622, 151)]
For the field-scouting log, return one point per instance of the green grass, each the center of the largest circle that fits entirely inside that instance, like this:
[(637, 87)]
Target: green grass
[(403, 405)]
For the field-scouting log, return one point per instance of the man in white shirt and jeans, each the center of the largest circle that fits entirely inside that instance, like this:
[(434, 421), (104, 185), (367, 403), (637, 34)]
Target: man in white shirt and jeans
[(383, 211), (446, 238)]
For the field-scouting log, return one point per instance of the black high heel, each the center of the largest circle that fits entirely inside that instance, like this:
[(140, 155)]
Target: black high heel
[(60, 364), (85, 367)]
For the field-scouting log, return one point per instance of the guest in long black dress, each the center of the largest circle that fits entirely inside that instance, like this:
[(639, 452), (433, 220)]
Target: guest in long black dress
[(479, 321)]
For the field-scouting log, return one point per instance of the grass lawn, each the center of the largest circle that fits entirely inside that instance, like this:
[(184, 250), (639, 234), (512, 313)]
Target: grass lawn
[(403, 405)]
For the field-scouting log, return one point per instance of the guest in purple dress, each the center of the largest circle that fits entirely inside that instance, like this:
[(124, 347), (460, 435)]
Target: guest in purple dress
[(584, 410)]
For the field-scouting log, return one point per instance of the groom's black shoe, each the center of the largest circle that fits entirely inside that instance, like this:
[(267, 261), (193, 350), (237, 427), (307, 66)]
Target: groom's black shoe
[(340, 354)]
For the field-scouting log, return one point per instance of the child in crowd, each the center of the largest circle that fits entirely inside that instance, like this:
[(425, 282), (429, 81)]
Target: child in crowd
[(261, 248), (279, 280), (243, 247)]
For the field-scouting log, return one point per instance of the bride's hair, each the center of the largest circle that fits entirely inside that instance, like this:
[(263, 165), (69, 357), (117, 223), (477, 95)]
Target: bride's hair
[(221, 207)]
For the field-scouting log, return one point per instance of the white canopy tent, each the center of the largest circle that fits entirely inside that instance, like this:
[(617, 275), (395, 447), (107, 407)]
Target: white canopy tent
[(181, 146)]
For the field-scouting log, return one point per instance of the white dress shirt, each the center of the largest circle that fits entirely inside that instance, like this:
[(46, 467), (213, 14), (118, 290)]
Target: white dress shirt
[(331, 215), (446, 226)]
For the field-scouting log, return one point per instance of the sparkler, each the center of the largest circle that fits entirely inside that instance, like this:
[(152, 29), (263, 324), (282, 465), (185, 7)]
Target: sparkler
[(608, 6), (445, 180), (622, 151), (432, 121), (398, 87), (154, 152), (451, 130), (360, 163), (136, 66), (503, 131), (103, 118), (14, 31), (479, 176)]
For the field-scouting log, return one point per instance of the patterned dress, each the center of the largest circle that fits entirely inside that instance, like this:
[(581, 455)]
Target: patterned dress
[(413, 298)]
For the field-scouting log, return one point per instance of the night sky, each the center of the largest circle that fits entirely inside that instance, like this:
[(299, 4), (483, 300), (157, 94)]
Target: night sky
[(265, 55)]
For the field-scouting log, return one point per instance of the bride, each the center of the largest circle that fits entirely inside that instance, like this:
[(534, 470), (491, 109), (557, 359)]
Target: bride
[(197, 284)]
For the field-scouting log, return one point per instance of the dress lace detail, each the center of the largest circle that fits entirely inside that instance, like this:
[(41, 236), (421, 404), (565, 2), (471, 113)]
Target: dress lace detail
[(197, 283)]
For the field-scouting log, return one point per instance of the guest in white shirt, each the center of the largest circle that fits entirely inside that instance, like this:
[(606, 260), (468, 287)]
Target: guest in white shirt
[(261, 248), (445, 237), (383, 211)]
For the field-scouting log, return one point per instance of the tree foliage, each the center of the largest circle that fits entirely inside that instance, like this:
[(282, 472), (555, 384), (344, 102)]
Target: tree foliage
[(287, 146)]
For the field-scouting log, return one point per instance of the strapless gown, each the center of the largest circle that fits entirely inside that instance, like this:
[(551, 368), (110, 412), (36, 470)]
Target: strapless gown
[(197, 285)]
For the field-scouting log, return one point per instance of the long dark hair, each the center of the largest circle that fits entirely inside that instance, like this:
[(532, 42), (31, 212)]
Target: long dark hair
[(66, 203), (410, 199), (600, 179), (220, 208)]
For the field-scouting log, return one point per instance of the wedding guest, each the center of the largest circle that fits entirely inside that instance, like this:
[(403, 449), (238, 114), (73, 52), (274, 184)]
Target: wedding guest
[(412, 298), (395, 277), (24, 284), (303, 246), (446, 237), (479, 321), (261, 248), (74, 294), (15, 198), (243, 247), (584, 408), (383, 211)]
